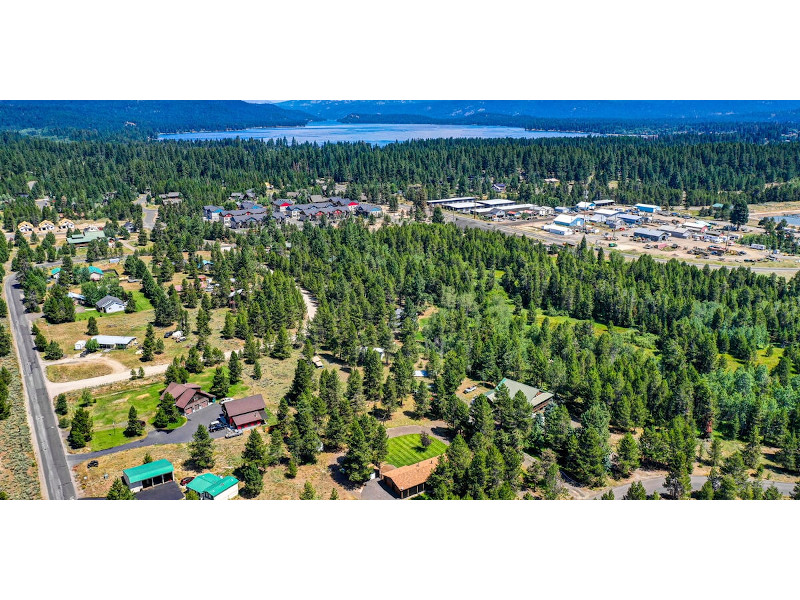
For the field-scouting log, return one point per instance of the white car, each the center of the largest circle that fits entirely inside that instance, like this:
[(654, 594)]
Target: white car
[(470, 389)]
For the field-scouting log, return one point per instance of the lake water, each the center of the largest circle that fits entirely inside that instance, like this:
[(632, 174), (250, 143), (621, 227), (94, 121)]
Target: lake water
[(793, 220), (378, 134)]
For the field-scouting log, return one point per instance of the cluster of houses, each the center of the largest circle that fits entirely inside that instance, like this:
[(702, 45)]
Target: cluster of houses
[(46, 226), (252, 214), (239, 414)]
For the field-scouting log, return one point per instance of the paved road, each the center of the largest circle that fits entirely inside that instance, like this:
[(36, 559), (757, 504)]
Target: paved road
[(657, 483), (184, 434), (52, 458), (148, 214)]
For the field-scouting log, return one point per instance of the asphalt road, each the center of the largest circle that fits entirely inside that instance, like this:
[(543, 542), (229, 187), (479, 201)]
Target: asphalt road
[(657, 483), (57, 475)]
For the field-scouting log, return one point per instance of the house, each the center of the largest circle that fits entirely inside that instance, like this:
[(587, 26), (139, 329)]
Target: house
[(211, 212), (585, 206), (129, 226), (535, 397), (565, 220), (46, 225), (110, 304), (245, 412), (65, 224), (148, 475), (114, 341), (170, 198), (86, 238), (76, 298), (25, 227), (96, 274), (282, 204), (651, 235), (557, 229), (499, 187), (317, 362), (410, 480), (369, 209), (542, 211), (551, 180), (647, 208), (213, 487), (91, 229), (188, 397)]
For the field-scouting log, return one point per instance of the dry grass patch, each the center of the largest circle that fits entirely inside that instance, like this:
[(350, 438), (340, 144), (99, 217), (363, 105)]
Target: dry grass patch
[(76, 372)]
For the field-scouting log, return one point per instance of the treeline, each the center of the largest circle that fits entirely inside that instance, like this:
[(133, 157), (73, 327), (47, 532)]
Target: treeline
[(78, 175)]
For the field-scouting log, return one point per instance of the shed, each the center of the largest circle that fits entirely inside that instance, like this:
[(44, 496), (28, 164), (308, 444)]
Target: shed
[(652, 235), (213, 487), (148, 475), (80, 344)]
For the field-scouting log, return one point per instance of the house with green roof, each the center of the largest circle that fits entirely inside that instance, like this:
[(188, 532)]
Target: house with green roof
[(85, 238), (213, 487), (535, 397), (148, 475)]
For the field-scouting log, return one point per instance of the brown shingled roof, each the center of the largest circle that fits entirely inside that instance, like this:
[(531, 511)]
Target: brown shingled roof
[(407, 477), (241, 406)]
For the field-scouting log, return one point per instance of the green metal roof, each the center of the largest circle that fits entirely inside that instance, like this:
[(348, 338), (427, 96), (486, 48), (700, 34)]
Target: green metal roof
[(93, 269), (203, 482), (221, 486), (146, 471), (86, 237)]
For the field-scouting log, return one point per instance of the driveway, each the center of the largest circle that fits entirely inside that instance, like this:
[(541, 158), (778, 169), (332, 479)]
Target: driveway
[(182, 435), (375, 489)]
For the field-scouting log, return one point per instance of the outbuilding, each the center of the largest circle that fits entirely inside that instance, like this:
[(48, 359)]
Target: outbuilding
[(585, 206), (647, 208), (566, 220), (148, 475), (245, 412), (114, 341), (651, 235), (557, 229), (213, 487), (535, 397)]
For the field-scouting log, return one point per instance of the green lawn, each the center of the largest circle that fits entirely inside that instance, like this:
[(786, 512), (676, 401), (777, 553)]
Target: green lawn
[(110, 411), (142, 304), (761, 359), (407, 450)]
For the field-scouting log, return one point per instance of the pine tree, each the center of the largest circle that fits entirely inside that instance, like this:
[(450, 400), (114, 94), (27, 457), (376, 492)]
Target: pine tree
[(334, 494), (53, 351), (255, 452), (257, 371), (609, 495), (81, 430), (134, 427), (201, 449), (5, 341), (357, 462), (627, 459), (220, 383), (707, 491), (275, 451), (281, 349), (234, 368), (308, 493), (590, 458), (291, 469), (252, 478), (635, 492), (91, 327), (61, 404), (120, 491), (149, 345), (380, 446), (193, 363)]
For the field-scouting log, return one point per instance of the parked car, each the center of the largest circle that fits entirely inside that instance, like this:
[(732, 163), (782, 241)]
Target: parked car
[(471, 388), (93, 463), (168, 335), (233, 433), (186, 480)]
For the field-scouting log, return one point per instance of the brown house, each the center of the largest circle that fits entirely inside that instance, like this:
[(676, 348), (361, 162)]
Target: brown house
[(245, 412), (188, 396), (409, 481)]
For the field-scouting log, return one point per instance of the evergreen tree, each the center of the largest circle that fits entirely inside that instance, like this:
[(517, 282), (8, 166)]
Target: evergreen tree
[(120, 491), (201, 449), (281, 349), (234, 368), (357, 462), (91, 327), (134, 427), (308, 493), (255, 451), (334, 494), (252, 478), (61, 404), (220, 383), (53, 351), (627, 459), (635, 492), (81, 431), (257, 371), (275, 451)]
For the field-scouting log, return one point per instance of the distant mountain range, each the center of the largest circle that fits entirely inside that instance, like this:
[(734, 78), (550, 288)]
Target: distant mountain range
[(141, 118), (687, 110)]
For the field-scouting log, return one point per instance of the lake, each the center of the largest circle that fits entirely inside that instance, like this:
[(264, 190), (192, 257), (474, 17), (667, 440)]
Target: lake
[(792, 220), (379, 134)]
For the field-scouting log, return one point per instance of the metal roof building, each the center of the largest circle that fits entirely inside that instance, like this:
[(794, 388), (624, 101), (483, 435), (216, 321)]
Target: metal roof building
[(495, 202), (114, 341), (148, 475), (213, 487), (536, 398)]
